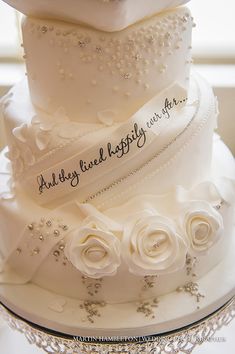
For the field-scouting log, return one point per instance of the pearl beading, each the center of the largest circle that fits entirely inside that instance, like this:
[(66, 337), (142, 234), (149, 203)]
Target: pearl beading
[(127, 57)]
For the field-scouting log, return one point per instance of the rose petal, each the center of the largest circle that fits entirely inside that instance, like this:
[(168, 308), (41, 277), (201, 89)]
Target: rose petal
[(198, 214), (13, 153), (47, 126), (28, 157), (68, 131), (35, 120), (18, 166), (57, 305), (42, 140), (140, 239), (93, 250), (21, 132), (107, 117)]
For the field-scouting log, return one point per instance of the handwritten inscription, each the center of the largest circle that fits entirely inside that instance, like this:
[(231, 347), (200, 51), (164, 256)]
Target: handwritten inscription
[(86, 166), (165, 112), (136, 137), (73, 177)]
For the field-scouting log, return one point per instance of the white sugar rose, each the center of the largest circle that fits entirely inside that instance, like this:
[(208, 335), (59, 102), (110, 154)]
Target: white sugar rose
[(203, 226), (152, 246), (93, 249)]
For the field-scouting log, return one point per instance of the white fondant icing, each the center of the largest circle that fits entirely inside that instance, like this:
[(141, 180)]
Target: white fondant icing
[(87, 71), (100, 14)]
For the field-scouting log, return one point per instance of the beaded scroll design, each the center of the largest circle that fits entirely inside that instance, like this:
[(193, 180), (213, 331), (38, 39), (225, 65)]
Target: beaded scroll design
[(182, 341)]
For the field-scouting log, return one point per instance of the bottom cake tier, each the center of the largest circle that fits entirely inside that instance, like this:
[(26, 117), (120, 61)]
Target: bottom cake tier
[(116, 322), (51, 292)]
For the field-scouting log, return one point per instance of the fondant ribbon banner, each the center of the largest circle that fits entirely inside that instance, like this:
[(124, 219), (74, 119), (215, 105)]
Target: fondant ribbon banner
[(125, 143)]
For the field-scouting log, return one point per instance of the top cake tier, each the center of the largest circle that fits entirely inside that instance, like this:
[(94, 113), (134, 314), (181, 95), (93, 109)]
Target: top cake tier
[(106, 15)]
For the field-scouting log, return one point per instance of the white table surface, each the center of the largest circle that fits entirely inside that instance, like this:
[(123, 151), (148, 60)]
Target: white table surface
[(12, 342)]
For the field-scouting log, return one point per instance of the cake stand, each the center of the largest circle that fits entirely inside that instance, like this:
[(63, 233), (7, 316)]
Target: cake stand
[(180, 341)]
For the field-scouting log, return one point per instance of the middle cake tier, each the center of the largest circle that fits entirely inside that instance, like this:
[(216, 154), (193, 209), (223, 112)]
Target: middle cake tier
[(94, 74), (55, 159)]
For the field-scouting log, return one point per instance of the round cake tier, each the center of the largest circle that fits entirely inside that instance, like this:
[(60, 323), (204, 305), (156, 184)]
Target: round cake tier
[(172, 311)]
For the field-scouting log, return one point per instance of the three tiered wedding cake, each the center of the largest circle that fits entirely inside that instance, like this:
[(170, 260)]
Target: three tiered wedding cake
[(115, 199)]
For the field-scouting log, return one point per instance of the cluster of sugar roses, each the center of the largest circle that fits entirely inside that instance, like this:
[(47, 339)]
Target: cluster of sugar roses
[(148, 242)]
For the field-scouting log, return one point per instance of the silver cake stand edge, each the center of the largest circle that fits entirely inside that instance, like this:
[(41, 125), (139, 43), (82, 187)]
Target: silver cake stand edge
[(183, 340)]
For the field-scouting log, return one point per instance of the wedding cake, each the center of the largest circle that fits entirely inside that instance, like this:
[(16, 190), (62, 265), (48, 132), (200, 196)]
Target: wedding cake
[(116, 197)]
